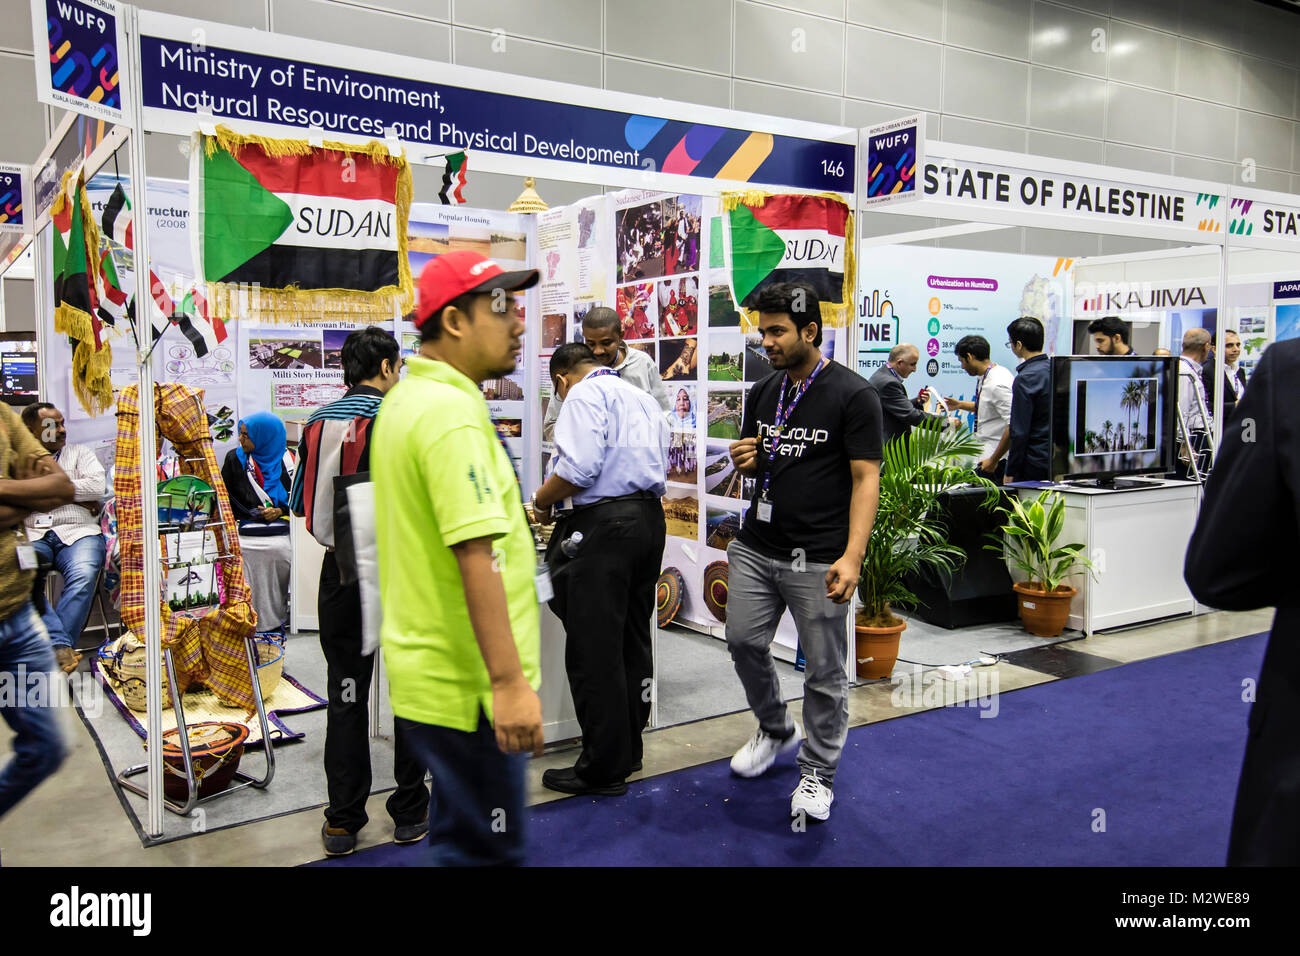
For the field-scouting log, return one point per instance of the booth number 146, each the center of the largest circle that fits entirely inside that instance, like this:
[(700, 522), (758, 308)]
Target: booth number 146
[(832, 167)]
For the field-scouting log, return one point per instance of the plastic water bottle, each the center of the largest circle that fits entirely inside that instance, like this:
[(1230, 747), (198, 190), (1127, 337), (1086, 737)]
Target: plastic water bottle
[(572, 544)]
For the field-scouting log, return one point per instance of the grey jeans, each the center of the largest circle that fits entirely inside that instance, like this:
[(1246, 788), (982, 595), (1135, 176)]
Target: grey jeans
[(759, 590)]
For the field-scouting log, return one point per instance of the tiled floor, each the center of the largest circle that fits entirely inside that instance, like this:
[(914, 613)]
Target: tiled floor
[(74, 818)]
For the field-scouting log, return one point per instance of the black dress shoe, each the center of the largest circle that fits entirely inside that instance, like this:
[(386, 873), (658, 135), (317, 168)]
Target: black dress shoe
[(568, 781), (338, 842)]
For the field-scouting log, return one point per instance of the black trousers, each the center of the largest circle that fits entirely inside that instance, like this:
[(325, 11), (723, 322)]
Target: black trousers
[(347, 725), (1266, 818), (476, 814), (605, 595)]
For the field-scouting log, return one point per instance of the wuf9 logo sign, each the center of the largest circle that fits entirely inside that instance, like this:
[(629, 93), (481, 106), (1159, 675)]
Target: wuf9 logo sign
[(894, 152), (12, 200)]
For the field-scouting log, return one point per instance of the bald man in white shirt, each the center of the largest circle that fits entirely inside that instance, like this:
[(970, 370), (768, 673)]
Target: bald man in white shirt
[(609, 468)]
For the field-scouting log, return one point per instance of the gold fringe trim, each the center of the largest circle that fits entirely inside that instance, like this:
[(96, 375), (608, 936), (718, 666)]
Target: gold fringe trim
[(231, 302), (90, 366), (835, 315)]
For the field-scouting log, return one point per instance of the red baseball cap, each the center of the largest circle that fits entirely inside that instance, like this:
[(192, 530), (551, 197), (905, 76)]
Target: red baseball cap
[(453, 274)]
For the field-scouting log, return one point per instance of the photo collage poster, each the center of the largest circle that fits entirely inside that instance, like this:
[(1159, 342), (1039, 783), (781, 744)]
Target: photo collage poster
[(506, 238), (660, 268), (572, 257)]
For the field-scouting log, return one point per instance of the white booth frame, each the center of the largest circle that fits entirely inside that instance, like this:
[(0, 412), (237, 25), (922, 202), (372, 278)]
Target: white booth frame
[(184, 124)]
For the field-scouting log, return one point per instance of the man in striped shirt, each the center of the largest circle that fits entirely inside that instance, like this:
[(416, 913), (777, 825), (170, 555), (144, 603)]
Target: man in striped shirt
[(336, 443)]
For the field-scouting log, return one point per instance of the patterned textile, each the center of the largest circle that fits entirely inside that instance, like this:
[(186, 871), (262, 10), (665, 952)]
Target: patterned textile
[(208, 648)]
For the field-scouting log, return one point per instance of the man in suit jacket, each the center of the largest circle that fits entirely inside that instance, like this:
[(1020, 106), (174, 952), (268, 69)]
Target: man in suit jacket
[(899, 413), (1234, 376), (1250, 518)]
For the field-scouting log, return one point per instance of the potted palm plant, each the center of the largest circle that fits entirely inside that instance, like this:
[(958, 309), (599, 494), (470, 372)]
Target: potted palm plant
[(908, 535), (1029, 544)]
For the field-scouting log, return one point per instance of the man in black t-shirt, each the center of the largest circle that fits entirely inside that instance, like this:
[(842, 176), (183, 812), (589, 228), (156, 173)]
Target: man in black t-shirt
[(811, 440)]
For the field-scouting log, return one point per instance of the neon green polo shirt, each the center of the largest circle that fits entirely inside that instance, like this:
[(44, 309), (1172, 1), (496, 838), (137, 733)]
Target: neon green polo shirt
[(442, 477)]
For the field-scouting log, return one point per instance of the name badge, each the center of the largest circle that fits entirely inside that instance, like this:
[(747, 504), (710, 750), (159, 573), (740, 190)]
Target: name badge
[(542, 581), (764, 513), (26, 557), (43, 520)]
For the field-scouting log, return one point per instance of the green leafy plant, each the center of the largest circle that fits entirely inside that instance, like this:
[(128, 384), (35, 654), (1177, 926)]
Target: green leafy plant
[(1028, 542), (908, 534)]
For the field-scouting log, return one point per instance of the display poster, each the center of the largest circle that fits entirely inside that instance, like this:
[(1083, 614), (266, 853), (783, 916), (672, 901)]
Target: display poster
[(1286, 310), (933, 297), (573, 244), (83, 135), (894, 151), (174, 359), (87, 48), (15, 184), (504, 237), (245, 75)]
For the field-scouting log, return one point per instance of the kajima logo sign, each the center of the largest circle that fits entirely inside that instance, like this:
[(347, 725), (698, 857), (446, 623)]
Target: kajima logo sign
[(1112, 297), (84, 41), (878, 322)]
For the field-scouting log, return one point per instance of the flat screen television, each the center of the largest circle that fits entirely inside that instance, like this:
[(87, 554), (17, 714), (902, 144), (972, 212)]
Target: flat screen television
[(1112, 416)]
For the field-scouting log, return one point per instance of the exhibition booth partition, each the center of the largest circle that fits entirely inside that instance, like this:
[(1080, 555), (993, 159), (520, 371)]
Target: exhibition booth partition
[(1195, 256), (1219, 259), (237, 86)]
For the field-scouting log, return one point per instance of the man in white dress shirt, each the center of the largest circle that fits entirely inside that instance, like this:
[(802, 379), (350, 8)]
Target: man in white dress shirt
[(611, 456), (69, 537), (991, 405), (603, 334)]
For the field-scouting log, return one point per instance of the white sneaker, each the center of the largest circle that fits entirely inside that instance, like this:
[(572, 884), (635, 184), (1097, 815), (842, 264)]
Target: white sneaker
[(811, 797), (761, 752)]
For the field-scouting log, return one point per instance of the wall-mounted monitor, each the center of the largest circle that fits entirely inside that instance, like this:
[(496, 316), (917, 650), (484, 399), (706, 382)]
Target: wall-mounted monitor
[(18, 384)]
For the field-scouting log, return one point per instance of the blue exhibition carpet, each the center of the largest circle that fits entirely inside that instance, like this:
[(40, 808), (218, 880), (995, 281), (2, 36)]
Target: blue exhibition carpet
[(1155, 746)]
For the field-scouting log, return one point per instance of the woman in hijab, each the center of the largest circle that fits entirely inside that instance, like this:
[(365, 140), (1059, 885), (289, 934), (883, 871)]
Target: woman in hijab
[(258, 481)]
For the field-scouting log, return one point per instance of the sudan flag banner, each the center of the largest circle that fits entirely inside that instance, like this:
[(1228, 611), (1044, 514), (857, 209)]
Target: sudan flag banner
[(286, 231), (76, 266), (791, 238)]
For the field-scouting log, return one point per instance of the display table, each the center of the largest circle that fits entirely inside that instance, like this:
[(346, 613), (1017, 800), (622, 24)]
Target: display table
[(1137, 537), (559, 719)]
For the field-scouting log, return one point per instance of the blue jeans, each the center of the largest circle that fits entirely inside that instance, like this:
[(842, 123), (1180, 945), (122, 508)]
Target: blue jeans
[(26, 659), (80, 564), (476, 807)]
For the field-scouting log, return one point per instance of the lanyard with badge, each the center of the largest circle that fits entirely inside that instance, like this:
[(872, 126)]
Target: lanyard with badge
[(764, 504)]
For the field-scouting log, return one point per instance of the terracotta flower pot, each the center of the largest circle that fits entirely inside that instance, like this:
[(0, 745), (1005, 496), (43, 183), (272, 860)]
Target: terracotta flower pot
[(877, 649), (1044, 613)]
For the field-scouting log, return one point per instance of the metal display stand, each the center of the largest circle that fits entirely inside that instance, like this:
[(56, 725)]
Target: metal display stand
[(191, 524), (1199, 461), (245, 780)]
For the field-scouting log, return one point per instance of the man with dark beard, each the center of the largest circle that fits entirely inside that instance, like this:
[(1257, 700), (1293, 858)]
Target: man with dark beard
[(811, 439)]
